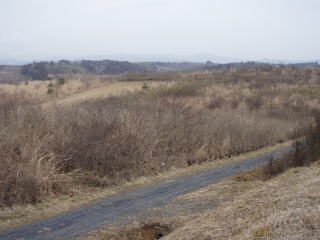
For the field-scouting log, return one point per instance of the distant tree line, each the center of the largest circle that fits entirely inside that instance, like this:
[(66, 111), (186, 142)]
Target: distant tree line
[(110, 67), (41, 70)]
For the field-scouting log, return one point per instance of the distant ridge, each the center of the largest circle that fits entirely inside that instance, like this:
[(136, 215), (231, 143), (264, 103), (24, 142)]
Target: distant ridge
[(196, 58), (277, 61), (13, 62), (136, 58)]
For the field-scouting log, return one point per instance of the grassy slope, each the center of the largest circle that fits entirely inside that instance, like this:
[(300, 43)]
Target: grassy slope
[(74, 90), (105, 91), (286, 207)]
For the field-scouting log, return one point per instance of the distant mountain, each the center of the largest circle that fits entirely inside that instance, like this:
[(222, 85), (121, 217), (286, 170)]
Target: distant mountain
[(196, 58), (12, 62), (11, 74), (277, 61), (136, 58)]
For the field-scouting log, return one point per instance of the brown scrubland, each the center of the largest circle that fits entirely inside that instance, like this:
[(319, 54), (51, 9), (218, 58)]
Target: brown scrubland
[(108, 140)]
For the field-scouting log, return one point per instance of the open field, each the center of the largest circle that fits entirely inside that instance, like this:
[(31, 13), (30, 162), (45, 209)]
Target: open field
[(38, 90), (111, 89), (76, 88), (109, 131)]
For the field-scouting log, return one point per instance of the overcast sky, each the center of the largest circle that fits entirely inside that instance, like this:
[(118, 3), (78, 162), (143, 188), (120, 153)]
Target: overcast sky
[(246, 29)]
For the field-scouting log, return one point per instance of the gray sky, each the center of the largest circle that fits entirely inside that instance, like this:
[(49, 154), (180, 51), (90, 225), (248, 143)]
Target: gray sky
[(246, 29)]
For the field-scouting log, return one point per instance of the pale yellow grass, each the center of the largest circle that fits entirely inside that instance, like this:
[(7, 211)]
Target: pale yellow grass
[(77, 89), (115, 88), (37, 90), (83, 195), (281, 92), (286, 207)]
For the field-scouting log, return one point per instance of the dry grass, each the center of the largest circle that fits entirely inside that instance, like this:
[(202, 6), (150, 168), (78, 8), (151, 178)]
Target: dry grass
[(37, 90), (110, 89), (117, 139), (29, 170), (285, 207), (76, 88)]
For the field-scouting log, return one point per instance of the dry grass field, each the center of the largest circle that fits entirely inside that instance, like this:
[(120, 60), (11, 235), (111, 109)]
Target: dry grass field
[(111, 89), (76, 88), (107, 131), (73, 89), (38, 90)]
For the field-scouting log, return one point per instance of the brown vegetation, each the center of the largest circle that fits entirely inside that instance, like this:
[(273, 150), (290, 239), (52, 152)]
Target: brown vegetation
[(305, 151), (217, 114)]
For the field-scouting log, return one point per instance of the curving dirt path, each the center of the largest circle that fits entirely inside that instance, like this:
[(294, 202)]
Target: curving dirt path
[(120, 208)]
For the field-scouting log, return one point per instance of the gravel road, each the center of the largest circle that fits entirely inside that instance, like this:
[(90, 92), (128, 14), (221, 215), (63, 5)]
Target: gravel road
[(76, 222)]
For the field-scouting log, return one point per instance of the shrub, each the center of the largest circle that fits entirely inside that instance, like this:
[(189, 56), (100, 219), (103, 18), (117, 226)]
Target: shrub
[(28, 168), (145, 86), (61, 81), (50, 91), (216, 103), (254, 102), (305, 151), (50, 88)]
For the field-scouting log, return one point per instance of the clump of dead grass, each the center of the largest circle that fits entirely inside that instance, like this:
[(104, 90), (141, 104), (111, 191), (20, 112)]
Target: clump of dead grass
[(28, 168)]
